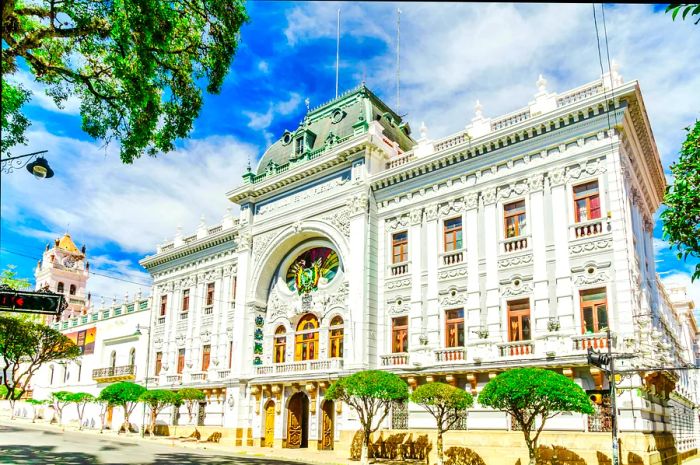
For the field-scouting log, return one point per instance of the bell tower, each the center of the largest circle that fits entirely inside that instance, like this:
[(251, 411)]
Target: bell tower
[(64, 269)]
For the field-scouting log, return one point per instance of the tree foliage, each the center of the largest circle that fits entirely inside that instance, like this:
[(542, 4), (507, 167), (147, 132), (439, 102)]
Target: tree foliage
[(531, 393), (190, 397), (370, 393), (123, 394), (135, 65), (157, 400), (446, 404), (81, 399), (9, 277), (59, 400), (26, 346), (686, 8), (681, 218)]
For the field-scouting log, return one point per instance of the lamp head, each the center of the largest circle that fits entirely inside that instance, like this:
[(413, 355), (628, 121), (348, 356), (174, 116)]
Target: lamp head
[(40, 168)]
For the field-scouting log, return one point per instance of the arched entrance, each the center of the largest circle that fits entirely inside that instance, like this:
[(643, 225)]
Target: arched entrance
[(298, 421), (269, 425), (327, 427)]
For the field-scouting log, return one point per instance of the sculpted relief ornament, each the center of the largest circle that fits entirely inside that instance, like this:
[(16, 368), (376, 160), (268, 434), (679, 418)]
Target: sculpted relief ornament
[(340, 219), (358, 203), (512, 190), (471, 200), (393, 224), (245, 241), (261, 241)]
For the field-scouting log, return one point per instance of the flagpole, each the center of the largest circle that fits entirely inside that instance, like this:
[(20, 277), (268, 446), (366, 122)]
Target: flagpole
[(398, 59), (337, 55)]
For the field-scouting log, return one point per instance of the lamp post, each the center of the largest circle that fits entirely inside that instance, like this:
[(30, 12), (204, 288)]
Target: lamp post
[(39, 168), (145, 380)]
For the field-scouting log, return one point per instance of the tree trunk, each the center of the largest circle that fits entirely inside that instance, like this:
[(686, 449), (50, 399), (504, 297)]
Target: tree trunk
[(532, 451), (153, 423), (126, 426), (12, 408), (439, 446), (364, 458)]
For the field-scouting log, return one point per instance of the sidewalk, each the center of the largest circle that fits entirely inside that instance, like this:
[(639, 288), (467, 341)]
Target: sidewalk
[(304, 456)]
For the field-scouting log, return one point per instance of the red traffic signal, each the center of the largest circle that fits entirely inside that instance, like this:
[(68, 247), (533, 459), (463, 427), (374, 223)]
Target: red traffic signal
[(31, 302)]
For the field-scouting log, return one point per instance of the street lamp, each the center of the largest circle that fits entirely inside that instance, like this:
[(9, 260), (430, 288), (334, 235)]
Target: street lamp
[(145, 381), (39, 168)]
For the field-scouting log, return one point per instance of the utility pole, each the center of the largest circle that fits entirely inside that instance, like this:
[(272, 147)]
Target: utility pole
[(613, 404)]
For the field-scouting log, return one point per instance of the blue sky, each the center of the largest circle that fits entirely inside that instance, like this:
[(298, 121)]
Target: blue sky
[(451, 55)]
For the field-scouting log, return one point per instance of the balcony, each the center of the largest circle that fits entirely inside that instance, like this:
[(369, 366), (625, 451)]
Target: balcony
[(300, 367), (198, 377), (588, 228), (398, 269), (183, 316), (397, 359), (594, 341), (515, 349), (161, 320), (453, 354), (223, 374), (112, 374), (451, 258), (514, 244), (174, 379)]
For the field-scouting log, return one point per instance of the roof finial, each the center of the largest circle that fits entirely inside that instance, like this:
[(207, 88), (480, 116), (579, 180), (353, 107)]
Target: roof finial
[(477, 109), (423, 130), (308, 103), (541, 85)]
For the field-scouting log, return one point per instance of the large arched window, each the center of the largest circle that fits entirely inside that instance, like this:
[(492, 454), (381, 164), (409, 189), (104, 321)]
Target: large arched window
[(280, 344), (59, 288), (72, 289), (335, 338), (306, 344)]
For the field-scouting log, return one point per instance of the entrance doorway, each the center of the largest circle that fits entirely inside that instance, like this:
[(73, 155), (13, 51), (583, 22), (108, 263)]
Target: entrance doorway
[(269, 425), (327, 426), (298, 421)]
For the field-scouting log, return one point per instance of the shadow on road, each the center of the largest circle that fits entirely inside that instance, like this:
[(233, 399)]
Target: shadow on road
[(34, 455), (183, 458)]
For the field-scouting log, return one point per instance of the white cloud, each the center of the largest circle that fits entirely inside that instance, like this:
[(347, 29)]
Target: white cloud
[(262, 121), (39, 97), (133, 206), (263, 67)]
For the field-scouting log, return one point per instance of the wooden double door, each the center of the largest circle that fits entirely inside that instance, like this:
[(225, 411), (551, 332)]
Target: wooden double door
[(269, 425), (327, 427), (298, 421)]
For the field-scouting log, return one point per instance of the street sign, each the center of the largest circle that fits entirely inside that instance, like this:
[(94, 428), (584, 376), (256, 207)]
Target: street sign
[(43, 302)]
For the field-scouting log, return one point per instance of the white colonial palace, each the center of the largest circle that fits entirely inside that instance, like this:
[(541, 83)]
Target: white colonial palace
[(516, 242)]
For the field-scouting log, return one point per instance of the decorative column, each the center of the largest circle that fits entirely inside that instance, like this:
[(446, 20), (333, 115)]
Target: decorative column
[(431, 324), (540, 295), (491, 235), (415, 312), (358, 272), (471, 255), (562, 267)]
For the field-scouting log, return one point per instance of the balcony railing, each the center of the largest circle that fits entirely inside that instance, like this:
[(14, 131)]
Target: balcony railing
[(183, 315), (594, 341), (514, 244), (452, 258), (197, 377), (174, 379), (223, 374), (515, 349), (588, 228), (453, 354), (395, 359), (398, 269), (300, 367), (114, 373), (208, 310), (161, 320)]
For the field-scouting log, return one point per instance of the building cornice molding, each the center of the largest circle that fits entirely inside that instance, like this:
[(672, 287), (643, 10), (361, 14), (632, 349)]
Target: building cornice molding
[(185, 250)]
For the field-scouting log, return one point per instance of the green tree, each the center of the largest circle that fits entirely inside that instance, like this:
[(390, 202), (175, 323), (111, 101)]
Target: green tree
[(370, 393), (687, 8), (157, 400), (191, 397), (35, 403), (81, 399), (8, 276), (104, 406), (125, 395), (26, 346), (531, 393), (681, 218), (446, 404), (135, 65), (59, 400)]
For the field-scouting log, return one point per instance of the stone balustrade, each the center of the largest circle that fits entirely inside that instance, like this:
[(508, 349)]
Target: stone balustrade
[(452, 354), (516, 349), (452, 258), (514, 244), (398, 269), (588, 228), (300, 367), (394, 359)]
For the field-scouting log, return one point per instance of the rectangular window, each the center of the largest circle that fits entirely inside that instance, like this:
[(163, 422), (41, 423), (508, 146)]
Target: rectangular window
[(80, 370), (299, 149), (210, 295), (399, 334), (234, 281), (399, 247), (159, 362), (454, 328), (453, 234), (230, 353), (594, 310), (514, 219), (185, 300), (587, 201), (519, 320), (180, 360), (206, 355), (163, 304), (280, 345)]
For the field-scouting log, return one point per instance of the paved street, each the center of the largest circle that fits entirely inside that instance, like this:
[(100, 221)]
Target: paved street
[(22, 444)]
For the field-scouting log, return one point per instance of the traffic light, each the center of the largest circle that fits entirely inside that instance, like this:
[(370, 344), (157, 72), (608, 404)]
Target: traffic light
[(598, 359), (30, 302), (596, 398)]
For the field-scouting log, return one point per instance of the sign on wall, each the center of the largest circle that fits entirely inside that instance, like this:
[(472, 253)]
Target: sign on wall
[(84, 339)]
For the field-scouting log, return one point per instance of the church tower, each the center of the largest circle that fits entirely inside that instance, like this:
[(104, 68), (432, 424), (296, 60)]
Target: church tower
[(64, 269)]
